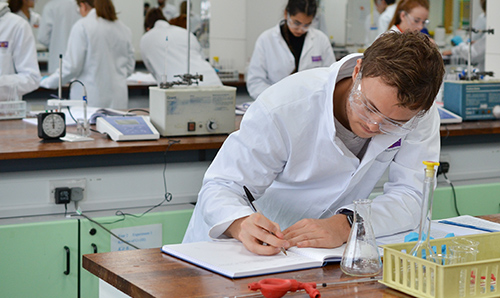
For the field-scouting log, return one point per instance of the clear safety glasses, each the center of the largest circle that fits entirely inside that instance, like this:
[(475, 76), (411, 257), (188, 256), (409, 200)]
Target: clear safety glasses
[(368, 113), (296, 25), (418, 21)]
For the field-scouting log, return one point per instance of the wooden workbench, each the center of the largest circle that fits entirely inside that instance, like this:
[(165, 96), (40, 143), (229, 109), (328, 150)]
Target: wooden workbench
[(19, 140), (151, 273)]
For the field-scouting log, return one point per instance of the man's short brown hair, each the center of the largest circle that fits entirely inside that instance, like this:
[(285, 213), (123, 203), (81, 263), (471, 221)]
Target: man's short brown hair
[(409, 61)]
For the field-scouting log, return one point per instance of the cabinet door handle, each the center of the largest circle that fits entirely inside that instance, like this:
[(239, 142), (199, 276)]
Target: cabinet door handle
[(67, 260), (94, 247)]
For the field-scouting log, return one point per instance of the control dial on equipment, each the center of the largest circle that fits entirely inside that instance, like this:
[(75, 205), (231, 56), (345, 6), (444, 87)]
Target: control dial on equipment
[(212, 125), (496, 111)]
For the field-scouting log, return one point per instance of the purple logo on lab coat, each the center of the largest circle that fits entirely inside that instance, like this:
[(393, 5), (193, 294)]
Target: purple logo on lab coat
[(397, 144), (316, 58), (4, 44)]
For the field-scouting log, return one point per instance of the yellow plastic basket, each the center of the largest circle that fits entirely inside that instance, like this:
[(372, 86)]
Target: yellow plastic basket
[(421, 278)]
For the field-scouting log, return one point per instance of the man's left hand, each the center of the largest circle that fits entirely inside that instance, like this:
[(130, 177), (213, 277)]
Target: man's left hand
[(326, 233)]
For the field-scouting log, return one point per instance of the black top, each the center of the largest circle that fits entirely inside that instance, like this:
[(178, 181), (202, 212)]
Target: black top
[(295, 44)]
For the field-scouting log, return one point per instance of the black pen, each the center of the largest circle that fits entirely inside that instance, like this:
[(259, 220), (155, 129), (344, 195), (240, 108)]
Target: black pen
[(249, 198)]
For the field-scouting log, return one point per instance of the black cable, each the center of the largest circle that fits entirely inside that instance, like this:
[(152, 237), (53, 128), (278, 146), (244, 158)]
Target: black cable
[(454, 193), (168, 196), (69, 111), (103, 227)]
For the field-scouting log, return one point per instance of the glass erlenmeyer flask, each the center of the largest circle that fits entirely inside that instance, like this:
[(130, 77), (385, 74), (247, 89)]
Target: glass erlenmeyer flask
[(361, 256)]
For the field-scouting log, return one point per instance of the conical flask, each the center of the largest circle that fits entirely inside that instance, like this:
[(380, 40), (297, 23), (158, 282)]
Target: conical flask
[(361, 256)]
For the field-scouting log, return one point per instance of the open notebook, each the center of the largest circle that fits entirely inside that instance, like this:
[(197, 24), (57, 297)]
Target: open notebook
[(230, 258)]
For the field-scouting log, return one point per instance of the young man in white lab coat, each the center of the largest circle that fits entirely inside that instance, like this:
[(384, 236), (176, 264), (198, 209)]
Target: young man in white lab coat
[(316, 141), (58, 17), (18, 60)]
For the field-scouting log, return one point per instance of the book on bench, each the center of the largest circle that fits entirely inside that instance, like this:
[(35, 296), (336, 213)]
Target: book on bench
[(231, 259)]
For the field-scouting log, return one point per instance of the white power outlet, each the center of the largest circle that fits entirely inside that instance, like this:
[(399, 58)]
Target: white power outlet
[(77, 182)]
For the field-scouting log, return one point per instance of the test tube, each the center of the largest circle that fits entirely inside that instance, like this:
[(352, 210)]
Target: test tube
[(472, 282)]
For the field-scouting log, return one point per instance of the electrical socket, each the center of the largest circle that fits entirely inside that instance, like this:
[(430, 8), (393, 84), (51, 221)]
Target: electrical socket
[(70, 183), (444, 164)]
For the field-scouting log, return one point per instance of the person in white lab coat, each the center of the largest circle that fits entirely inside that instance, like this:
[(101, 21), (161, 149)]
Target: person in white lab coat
[(410, 15), (477, 46), (289, 47), (386, 16), (317, 140), (24, 8), (164, 51), (100, 55), (169, 10), (58, 17), (18, 60)]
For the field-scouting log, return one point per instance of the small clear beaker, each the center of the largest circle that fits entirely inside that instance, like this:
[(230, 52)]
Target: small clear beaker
[(464, 250), (361, 255), (8, 92), (162, 83), (442, 259)]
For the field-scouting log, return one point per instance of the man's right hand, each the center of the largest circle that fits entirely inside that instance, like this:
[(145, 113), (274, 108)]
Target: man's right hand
[(254, 232)]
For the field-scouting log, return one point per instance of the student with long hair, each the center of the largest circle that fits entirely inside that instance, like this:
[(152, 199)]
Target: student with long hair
[(410, 15), (291, 46), (99, 54), (24, 9)]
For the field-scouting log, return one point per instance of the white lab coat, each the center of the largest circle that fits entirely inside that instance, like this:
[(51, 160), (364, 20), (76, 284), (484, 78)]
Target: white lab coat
[(395, 29), (34, 18), (385, 18), (18, 58), (288, 155), (170, 11), (101, 56), (58, 17), (158, 54), (272, 60)]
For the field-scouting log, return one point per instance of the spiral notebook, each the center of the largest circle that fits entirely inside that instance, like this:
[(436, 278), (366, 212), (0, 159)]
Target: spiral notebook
[(231, 259)]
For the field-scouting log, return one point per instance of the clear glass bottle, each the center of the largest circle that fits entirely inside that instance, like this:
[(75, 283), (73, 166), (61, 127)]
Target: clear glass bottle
[(361, 256), (422, 248)]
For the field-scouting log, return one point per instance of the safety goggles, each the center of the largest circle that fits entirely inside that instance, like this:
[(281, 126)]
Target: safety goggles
[(417, 22), (368, 113), (296, 25)]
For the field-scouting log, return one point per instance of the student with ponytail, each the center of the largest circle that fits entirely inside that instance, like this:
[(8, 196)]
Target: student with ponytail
[(99, 54)]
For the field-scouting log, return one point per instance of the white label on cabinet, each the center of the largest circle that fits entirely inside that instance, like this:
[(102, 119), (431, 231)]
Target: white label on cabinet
[(149, 236)]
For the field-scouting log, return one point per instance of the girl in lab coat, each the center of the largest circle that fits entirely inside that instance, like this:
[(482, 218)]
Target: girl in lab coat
[(410, 15), (164, 51), (24, 8), (58, 17), (18, 61), (291, 46), (100, 55)]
